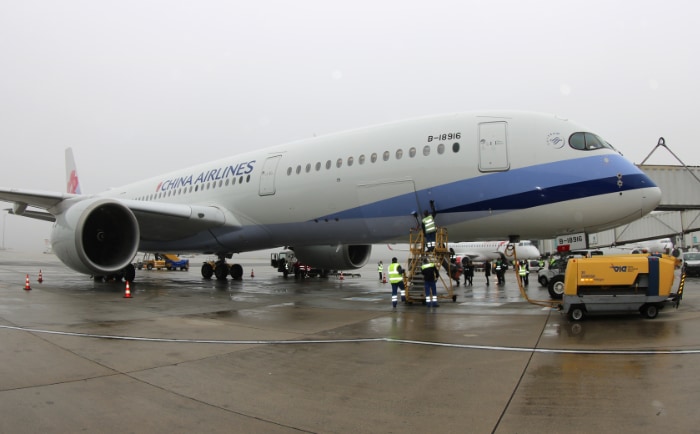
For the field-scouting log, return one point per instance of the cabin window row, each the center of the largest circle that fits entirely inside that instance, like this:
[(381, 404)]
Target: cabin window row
[(195, 188), (373, 158)]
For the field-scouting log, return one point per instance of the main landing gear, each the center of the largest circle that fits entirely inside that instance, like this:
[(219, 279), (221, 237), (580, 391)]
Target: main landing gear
[(221, 269)]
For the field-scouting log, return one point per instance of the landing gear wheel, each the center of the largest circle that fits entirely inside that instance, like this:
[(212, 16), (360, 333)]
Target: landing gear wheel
[(650, 311), (207, 271), (129, 273), (236, 272), (556, 287), (149, 267), (221, 271), (576, 313)]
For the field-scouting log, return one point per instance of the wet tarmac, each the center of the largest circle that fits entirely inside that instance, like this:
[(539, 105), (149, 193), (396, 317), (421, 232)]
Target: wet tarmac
[(269, 354)]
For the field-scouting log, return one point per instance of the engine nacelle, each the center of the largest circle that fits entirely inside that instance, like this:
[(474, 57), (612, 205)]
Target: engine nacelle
[(339, 257), (96, 236)]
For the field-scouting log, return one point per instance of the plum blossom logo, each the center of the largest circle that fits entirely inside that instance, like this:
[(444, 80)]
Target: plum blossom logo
[(555, 140)]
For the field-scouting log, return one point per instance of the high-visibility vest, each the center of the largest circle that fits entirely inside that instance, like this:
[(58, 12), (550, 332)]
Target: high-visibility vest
[(394, 275), (429, 224), (427, 265), (523, 270), (380, 267)]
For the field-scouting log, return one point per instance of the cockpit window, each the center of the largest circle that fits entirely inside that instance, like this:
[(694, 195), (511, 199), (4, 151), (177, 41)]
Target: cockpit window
[(588, 142)]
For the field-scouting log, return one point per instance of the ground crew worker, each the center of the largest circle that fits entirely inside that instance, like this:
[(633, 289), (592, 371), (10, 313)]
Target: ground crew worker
[(499, 271), (523, 272), (468, 273), (396, 280), (430, 276), (429, 229), (487, 271), (380, 268)]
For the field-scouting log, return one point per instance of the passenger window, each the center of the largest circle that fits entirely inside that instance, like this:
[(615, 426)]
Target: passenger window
[(441, 149), (361, 160), (455, 147), (412, 152), (399, 154), (386, 155), (328, 164), (339, 163), (373, 158), (426, 150), (350, 161), (318, 166), (308, 167), (298, 169)]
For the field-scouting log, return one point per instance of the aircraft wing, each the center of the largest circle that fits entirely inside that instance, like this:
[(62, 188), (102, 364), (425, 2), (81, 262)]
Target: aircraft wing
[(37, 198), (34, 198), (157, 220)]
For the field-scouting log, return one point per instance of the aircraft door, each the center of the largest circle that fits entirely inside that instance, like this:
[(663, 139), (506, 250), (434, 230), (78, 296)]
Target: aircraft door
[(493, 147), (387, 205), (267, 176)]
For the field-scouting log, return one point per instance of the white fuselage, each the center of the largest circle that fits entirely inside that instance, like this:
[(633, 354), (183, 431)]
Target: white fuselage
[(481, 251), (490, 175)]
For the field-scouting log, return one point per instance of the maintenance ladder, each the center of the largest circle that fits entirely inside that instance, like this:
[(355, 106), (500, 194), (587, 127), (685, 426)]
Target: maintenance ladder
[(439, 255)]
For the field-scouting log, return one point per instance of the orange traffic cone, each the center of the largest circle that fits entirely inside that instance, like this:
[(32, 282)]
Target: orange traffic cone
[(252, 272), (26, 284), (40, 279), (384, 279), (127, 291), (341, 276)]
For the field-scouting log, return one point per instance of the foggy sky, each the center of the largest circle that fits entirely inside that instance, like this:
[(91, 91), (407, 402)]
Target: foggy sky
[(142, 87)]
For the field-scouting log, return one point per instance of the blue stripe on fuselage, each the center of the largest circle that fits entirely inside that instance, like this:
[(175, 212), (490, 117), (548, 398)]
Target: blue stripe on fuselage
[(522, 188)]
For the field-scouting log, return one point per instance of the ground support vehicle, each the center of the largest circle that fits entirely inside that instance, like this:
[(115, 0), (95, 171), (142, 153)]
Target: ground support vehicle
[(691, 263), (174, 262), (150, 262), (165, 261), (287, 263), (544, 275), (620, 283)]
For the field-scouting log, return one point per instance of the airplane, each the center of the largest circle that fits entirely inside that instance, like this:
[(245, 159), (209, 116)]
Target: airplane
[(489, 174), (482, 251), (662, 245)]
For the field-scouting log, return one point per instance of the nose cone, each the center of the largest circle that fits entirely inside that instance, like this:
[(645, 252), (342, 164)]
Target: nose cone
[(651, 198)]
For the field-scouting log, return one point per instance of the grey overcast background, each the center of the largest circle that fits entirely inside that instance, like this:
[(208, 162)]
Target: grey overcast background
[(148, 86)]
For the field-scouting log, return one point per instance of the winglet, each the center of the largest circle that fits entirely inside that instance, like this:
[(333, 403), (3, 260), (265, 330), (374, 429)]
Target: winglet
[(72, 183)]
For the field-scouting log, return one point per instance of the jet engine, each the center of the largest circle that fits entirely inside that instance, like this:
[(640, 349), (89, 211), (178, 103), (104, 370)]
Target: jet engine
[(96, 236), (340, 257)]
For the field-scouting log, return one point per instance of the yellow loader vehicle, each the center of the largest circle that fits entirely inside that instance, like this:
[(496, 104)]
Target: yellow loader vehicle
[(620, 283)]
